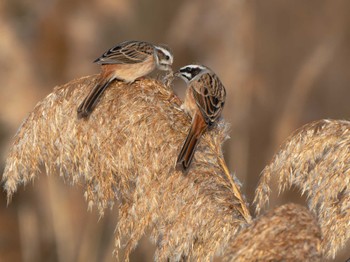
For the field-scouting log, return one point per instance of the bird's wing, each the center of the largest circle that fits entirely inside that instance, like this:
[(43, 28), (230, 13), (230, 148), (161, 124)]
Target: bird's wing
[(130, 52), (209, 94)]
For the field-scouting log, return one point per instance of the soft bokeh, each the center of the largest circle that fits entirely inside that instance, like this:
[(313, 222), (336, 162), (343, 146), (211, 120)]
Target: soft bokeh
[(284, 63)]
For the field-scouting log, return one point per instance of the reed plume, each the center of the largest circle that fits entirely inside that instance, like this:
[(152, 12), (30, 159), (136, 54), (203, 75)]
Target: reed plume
[(316, 159), (287, 233), (125, 155)]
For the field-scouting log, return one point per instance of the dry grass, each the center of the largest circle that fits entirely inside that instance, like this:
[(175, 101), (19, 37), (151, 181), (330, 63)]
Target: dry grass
[(316, 159), (125, 154), (287, 233)]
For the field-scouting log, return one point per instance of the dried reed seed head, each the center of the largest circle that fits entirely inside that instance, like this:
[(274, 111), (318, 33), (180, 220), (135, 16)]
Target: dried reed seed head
[(126, 151), (287, 233), (316, 159)]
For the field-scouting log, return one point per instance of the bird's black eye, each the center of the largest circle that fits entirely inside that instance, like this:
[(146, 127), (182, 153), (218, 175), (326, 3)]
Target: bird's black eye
[(167, 57)]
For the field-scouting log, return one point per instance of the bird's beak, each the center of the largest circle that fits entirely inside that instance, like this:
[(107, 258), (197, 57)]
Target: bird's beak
[(177, 74)]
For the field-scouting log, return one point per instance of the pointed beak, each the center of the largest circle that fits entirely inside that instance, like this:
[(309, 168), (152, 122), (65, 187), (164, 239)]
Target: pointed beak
[(177, 74)]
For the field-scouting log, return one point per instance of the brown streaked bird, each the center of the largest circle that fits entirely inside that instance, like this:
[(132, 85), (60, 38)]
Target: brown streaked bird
[(204, 101), (126, 62)]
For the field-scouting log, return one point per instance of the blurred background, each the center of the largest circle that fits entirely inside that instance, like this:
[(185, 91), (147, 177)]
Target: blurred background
[(284, 63)]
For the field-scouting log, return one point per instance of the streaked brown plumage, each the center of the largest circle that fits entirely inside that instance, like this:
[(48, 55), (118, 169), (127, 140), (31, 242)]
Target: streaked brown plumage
[(126, 62), (205, 98)]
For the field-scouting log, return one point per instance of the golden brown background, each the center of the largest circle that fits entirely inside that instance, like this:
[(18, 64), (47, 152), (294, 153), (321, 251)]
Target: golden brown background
[(284, 63)]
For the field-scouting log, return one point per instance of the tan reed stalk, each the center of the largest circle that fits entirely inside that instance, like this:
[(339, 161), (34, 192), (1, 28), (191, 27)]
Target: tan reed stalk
[(316, 159), (287, 233), (125, 155), (235, 188)]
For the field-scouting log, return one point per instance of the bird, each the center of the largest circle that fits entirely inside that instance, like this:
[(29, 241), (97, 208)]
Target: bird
[(127, 62), (204, 101)]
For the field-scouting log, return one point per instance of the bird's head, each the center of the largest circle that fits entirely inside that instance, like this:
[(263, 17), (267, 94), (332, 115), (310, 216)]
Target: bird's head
[(164, 58), (189, 72)]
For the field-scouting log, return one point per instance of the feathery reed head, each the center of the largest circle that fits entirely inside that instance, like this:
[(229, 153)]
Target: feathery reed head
[(316, 159), (125, 154), (287, 233)]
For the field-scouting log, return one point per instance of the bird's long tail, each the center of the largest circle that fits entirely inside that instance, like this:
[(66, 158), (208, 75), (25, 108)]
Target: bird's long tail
[(187, 152), (90, 101)]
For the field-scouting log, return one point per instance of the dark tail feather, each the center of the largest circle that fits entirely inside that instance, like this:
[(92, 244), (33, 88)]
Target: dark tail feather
[(90, 101), (187, 152)]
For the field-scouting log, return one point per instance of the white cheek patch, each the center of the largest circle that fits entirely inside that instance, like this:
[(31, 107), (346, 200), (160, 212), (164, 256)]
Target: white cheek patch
[(186, 75)]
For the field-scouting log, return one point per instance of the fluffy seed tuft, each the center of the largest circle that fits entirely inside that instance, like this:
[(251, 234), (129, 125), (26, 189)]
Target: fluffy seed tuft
[(124, 154), (287, 233), (316, 159)]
